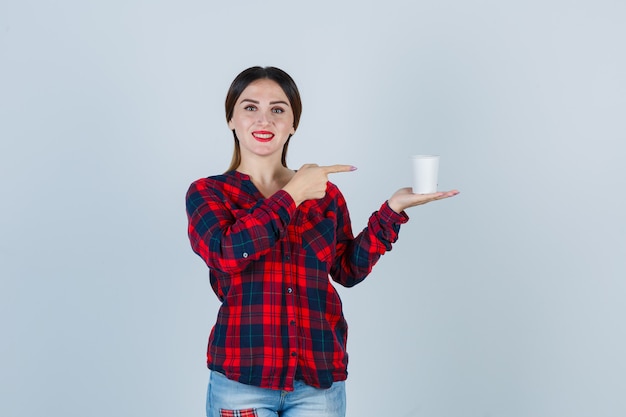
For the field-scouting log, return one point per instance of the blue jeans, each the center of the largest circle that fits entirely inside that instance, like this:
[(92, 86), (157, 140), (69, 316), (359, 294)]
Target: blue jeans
[(226, 398)]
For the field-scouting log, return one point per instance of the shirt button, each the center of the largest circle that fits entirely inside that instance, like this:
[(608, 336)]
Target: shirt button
[(292, 322), (289, 290), (293, 354), (245, 254), (287, 257)]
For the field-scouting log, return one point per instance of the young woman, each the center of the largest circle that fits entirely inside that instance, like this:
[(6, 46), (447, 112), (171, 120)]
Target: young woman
[(272, 237)]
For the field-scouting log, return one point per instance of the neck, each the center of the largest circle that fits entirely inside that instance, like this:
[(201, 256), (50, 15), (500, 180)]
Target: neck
[(264, 171)]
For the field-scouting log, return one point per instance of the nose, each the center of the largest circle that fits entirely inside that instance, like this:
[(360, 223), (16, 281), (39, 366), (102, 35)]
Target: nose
[(264, 117)]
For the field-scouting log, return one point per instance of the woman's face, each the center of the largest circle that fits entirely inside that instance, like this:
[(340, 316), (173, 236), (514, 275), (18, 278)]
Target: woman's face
[(262, 119)]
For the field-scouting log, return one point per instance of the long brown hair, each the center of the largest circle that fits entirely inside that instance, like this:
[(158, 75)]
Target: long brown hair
[(242, 81)]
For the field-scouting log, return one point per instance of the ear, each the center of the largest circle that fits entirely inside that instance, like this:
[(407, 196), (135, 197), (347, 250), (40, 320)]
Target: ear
[(230, 124), (293, 131)]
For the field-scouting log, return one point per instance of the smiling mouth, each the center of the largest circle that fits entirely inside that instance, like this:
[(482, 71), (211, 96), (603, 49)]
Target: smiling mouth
[(263, 136)]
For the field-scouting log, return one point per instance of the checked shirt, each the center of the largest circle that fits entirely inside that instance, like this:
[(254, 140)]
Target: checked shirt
[(281, 318)]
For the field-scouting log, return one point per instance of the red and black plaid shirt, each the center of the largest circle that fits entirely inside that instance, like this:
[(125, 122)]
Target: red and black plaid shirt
[(281, 318)]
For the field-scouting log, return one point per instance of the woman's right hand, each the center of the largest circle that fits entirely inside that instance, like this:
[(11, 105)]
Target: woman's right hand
[(309, 182)]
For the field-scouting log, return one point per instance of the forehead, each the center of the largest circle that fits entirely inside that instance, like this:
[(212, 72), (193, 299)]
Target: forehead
[(264, 89)]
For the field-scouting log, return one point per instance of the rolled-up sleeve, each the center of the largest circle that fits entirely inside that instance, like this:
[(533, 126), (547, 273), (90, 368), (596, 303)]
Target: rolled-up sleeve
[(355, 257)]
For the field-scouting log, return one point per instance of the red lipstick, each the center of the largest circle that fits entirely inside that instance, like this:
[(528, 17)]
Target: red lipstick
[(263, 135)]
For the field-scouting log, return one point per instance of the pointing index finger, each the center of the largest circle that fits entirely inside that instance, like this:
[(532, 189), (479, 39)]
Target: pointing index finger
[(332, 169)]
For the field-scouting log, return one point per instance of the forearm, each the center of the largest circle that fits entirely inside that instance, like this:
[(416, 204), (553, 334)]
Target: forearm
[(228, 240), (357, 256)]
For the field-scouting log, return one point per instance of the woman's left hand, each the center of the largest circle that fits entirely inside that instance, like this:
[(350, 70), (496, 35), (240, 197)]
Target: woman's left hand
[(405, 198)]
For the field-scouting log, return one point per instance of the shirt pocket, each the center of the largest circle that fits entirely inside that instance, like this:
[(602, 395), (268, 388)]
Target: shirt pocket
[(319, 234)]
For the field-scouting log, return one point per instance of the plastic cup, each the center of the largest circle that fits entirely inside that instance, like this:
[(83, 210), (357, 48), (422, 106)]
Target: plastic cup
[(425, 172)]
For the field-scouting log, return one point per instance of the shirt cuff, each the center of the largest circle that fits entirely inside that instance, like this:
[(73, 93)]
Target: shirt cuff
[(284, 204), (387, 215)]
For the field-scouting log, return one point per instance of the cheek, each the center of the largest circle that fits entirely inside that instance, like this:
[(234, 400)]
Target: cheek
[(238, 121), (288, 128), (288, 123)]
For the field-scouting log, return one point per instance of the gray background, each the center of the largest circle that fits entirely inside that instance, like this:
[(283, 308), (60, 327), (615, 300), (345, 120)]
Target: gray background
[(507, 300)]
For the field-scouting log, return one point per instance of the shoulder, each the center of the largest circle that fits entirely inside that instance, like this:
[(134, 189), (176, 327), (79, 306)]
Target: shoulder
[(333, 199), (214, 188), (333, 191), (221, 181)]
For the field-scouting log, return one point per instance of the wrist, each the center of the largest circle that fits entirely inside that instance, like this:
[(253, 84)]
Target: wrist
[(393, 205), (293, 195)]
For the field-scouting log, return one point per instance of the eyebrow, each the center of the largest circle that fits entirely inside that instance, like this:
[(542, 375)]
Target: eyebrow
[(245, 100)]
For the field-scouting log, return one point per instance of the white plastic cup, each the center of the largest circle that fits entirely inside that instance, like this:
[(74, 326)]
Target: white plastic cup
[(425, 172)]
